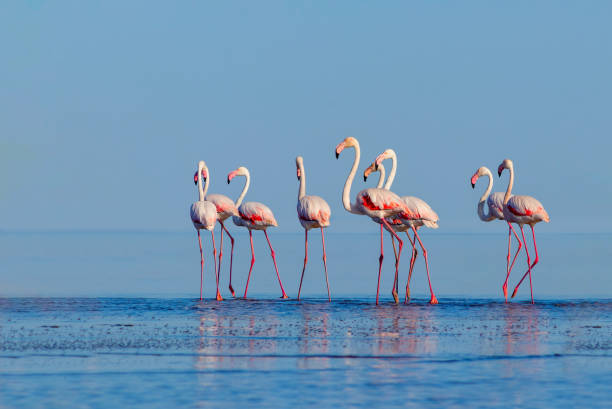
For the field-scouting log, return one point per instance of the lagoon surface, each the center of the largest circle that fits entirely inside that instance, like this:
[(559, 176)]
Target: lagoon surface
[(138, 349)]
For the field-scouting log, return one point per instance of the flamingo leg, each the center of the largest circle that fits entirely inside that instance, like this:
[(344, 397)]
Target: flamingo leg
[(380, 260), (433, 299), (305, 260), (399, 252), (212, 235), (220, 253), (201, 263), (231, 258), (275, 267), (535, 261), (412, 261), (252, 262), (508, 265), (394, 290), (325, 264)]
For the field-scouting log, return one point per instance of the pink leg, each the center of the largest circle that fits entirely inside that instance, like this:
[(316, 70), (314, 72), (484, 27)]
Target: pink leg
[(201, 263), (394, 290), (325, 264), (305, 260), (231, 259), (275, 267), (433, 299), (508, 265), (220, 253), (399, 252), (380, 260), (535, 246), (412, 261), (252, 262), (212, 235)]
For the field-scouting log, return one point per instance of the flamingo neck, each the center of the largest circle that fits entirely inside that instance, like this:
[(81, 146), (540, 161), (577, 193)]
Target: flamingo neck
[(206, 184), (302, 191), (346, 193), (393, 170), (510, 184), (247, 175), (381, 179), (200, 189), (484, 197)]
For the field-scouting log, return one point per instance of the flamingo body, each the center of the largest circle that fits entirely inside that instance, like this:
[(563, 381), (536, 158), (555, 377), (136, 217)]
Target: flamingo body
[(525, 210), (495, 202), (256, 216), (419, 213), (224, 205), (203, 215), (313, 212)]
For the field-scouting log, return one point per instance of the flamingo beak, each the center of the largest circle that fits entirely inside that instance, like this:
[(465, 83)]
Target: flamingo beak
[(473, 185), (231, 175), (365, 178), (499, 171), (195, 178), (340, 148), (474, 179)]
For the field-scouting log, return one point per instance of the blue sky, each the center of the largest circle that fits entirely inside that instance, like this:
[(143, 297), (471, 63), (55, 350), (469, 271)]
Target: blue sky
[(106, 107)]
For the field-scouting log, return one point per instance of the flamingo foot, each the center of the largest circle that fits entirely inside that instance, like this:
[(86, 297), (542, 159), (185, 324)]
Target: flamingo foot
[(232, 291), (407, 299), (395, 297), (284, 296), (219, 298), (505, 288), (433, 300)]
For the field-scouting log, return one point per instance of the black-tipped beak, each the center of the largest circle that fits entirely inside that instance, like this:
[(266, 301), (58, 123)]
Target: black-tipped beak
[(376, 166), (228, 180), (365, 178), (337, 155), (499, 173), (473, 185)]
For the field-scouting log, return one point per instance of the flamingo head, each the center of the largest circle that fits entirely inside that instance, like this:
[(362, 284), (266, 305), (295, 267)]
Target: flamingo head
[(202, 170), (480, 172), (506, 164), (299, 161), (346, 143), (241, 171), (389, 153), (369, 169)]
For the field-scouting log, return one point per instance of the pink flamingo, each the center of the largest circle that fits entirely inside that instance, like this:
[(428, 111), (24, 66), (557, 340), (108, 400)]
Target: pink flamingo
[(375, 203), (313, 212), (254, 216), (418, 213), (204, 216), (495, 203), (225, 208), (394, 221), (522, 210)]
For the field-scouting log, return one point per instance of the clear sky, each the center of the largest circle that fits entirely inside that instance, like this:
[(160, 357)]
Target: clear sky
[(105, 107)]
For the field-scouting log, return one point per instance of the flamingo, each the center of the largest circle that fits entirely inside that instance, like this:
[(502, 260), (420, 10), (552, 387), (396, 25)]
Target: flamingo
[(418, 213), (522, 210), (204, 216), (376, 203), (395, 223), (254, 216), (495, 203), (225, 208), (313, 212)]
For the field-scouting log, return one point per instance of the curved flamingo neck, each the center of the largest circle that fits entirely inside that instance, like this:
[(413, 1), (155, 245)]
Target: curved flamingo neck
[(207, 182), (393, 170), (200, 189), (510, 184), (247, 175), (346, 193), (302, 191), (484, 197), (381, 179)]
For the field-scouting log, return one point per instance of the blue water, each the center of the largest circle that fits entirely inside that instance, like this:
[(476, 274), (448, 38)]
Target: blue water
[(160, 353), (158, 346)]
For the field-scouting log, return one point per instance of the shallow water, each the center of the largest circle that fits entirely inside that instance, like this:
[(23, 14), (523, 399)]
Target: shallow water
[(159, 353)]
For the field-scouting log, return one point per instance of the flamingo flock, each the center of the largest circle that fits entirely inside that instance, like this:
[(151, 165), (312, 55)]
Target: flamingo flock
[(393, 213)]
